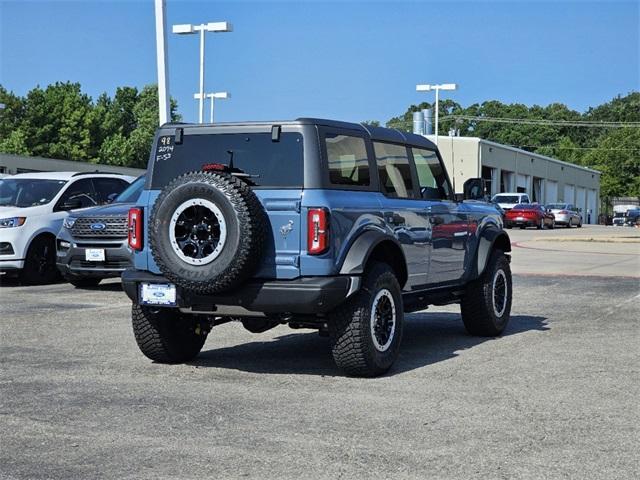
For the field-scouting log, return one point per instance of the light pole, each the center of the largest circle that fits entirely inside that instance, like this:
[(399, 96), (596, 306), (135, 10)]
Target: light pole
[(188, 29), (212, 97), (437, 88), (162, 61)]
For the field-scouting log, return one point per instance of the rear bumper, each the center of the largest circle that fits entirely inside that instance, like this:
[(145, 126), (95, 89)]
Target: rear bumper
[(519, 223), (306, 295)]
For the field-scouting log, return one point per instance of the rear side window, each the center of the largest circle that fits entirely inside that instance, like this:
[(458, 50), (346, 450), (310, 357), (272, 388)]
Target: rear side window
[(431, 175), (394, 170), (108, 187), (268, 163), (347, 160)]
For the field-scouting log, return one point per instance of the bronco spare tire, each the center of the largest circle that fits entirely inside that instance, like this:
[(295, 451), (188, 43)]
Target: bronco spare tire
[(207, 231)]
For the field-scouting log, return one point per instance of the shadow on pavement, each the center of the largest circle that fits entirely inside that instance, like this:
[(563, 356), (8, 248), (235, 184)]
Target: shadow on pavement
[(428, 338)]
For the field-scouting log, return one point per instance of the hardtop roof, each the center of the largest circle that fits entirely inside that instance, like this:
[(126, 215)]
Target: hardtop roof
[(375, 133)]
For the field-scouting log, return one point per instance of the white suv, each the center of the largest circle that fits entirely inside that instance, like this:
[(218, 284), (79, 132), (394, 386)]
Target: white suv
[(32, 209), (509, 200)]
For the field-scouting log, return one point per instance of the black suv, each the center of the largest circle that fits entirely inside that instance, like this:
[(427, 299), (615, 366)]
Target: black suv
[(320, 224), (92, 244)]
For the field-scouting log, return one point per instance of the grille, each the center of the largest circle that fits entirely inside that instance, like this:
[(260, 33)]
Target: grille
[(115, 227), (119, 264)]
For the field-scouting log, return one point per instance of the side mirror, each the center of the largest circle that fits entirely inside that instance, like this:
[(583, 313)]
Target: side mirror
[(473, 189), (71, 204)]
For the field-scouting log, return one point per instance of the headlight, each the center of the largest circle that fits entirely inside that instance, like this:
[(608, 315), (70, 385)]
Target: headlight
[(68, 222), (12, 222)]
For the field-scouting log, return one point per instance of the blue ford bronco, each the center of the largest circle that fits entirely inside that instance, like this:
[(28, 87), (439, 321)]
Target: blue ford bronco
[(318, 224)]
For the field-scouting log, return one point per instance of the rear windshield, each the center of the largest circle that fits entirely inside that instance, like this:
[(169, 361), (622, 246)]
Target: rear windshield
[(526, 206), (268, 163), (557, 206)]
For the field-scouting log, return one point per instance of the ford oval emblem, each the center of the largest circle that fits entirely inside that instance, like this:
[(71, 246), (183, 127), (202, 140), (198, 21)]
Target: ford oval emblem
[(98, 226)]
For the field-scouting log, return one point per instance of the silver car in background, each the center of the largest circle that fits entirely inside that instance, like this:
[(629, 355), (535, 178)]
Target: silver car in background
[(565, 214)]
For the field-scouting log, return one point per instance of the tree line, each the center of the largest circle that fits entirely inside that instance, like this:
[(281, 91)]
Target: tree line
[(60, 121), (613, 151)]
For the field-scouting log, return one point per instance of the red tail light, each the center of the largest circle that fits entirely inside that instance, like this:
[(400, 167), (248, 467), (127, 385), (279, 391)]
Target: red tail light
[(563, 212), (135, 228), (317, 231)]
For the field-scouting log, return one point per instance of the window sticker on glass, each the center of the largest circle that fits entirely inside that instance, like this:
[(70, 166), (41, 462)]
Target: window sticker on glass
[(165, 148)]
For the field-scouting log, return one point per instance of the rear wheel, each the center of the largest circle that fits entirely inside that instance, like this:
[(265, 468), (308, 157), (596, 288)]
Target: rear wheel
[(367, 330), (167, 336), (40, 262), (569, 224), (486, 305)]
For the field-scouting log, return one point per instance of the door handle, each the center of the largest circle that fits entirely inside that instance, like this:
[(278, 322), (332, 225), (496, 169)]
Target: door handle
[(435, 220)]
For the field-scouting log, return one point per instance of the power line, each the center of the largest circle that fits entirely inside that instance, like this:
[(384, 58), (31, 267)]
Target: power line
[(557, 123)]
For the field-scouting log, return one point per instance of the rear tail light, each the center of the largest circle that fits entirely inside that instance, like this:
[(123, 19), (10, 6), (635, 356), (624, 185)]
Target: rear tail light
[(135, 228), (563, 212), (317, 231)]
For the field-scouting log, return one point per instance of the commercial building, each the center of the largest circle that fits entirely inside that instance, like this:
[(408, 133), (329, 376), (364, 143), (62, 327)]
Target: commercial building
[(12, 164), (508, 169)]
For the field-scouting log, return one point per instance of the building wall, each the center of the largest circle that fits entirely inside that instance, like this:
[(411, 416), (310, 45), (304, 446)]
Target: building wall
[(545, 179), (12, 164)]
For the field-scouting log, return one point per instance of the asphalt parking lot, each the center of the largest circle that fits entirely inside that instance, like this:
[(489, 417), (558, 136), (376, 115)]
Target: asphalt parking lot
[(555, 397)]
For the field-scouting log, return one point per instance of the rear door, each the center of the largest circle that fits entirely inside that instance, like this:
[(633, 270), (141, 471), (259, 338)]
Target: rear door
[(404, 213), (447, 220)]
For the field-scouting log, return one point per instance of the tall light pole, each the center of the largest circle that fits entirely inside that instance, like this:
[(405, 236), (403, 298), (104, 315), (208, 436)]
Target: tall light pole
[(212, 97), (188, 29), (162, 61), (437, 88)]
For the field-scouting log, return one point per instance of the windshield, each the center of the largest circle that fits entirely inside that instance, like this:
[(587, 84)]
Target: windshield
[(506, 199), (557, 206), (525, 206), (28, 192), (132, 192)]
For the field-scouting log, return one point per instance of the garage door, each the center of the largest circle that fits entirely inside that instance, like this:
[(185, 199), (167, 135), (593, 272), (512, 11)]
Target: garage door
[(592, 206), (552, 192), (581, 200), (522, 182), (569, 194)]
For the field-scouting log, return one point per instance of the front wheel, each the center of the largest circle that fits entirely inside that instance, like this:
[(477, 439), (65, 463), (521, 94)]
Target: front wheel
[(167, 336), (366, 331), (40, 262), (486, 305)]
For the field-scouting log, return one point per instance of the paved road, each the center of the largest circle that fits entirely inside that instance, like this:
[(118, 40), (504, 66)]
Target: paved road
[(555, 397)]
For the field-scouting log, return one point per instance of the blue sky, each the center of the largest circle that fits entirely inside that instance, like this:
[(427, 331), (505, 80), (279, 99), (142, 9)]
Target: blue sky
[(345, 60)]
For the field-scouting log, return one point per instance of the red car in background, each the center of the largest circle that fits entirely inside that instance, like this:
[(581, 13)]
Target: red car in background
[(526, 215)]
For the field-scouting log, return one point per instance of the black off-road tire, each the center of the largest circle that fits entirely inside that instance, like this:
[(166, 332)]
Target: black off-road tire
[(165, 335), (40, 262), (245, 224), (350, 330), (82, 282), (479, 313)]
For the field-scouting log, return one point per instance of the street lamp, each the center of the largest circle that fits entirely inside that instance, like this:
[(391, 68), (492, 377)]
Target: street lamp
[(437, 88), (212, 97), (188, 29)]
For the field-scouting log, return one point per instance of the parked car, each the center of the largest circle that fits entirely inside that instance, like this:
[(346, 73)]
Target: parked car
[(633, 218), (92, 243), (313, 223), (565, 214), (529, 215), (507, 201), (32, 208)]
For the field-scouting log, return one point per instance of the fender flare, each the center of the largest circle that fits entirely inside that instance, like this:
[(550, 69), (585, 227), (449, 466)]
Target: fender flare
[(489, 238), (361, 249)]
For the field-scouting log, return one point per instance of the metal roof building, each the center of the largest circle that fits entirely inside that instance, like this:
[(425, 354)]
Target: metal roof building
[(509, 169), (12, 164)]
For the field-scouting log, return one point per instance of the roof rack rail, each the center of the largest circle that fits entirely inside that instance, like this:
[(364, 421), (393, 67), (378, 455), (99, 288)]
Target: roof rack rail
[(96, 172)]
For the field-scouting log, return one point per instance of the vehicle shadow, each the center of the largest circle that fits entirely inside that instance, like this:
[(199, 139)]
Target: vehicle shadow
[(428, 338)]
